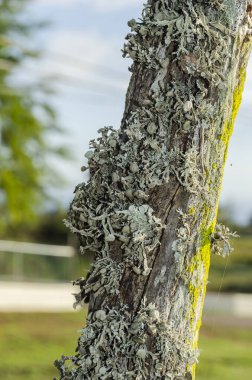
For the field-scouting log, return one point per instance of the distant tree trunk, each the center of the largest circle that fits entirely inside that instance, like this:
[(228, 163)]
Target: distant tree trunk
[(149, 208)]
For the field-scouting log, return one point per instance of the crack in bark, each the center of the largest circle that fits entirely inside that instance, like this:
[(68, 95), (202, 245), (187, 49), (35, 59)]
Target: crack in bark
[(161, 238)]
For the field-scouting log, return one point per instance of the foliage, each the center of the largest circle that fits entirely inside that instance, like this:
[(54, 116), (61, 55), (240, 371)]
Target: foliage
[(48, 229), (26, 122)]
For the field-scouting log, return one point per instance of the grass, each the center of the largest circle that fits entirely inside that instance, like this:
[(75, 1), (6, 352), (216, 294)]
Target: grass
[(234, 272), (226, 353), (29, 343)]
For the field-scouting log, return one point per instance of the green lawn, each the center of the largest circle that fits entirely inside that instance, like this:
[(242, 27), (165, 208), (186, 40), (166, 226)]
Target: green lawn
[(226, 353), (29, 343)]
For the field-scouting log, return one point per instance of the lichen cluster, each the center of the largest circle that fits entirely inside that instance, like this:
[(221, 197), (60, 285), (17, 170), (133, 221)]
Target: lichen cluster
[(137, 230), (221, 240), (193, 40), (184, 239), (115, 345), (178, 128)]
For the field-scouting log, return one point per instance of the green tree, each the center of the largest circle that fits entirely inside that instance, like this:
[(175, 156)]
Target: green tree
[(26, 120)]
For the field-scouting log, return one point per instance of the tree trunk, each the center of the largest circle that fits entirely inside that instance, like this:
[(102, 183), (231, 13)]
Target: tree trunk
[(149, 208)]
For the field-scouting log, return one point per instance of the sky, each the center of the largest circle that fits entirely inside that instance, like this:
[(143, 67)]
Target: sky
[(83, 60)]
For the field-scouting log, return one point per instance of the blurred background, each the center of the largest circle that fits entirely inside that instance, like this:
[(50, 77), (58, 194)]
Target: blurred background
[(62, 77)]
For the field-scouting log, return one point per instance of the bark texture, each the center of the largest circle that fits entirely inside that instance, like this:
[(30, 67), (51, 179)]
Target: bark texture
[(149, 208)]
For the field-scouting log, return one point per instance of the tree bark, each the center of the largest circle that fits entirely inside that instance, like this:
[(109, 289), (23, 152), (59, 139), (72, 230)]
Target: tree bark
[(149, 208)]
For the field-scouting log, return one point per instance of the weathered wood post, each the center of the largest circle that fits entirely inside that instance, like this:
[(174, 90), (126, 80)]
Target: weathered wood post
[(149, 208)]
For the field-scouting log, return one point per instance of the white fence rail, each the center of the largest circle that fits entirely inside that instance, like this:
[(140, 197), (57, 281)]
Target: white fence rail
[(36, 249), (19, 249)]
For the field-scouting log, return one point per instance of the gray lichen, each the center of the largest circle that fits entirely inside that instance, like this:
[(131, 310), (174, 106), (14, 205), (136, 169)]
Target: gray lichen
[(184, 239), (221, 240), (114, 345), (137, 230)]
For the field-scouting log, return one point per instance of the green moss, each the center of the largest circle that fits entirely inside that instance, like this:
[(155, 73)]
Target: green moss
[(237, 98), (191, 210), (199, 267), (200, 263)]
